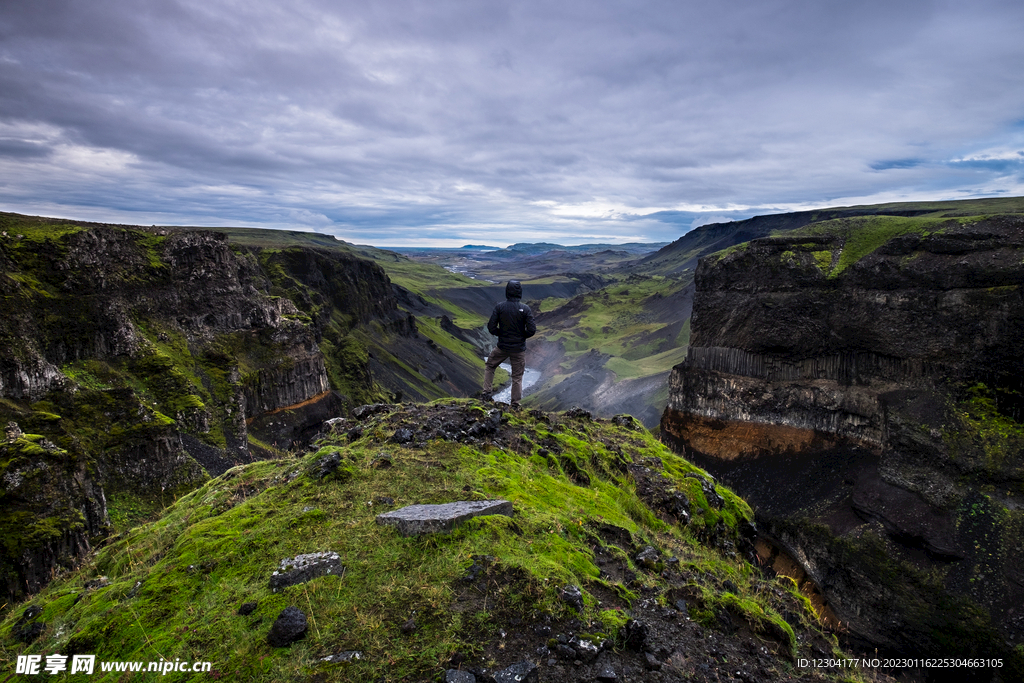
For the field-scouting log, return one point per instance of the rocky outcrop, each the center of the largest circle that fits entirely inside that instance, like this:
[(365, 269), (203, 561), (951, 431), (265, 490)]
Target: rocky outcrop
[(860, 384), (28, 378), (355, 289), (301, 376), (54, 508)]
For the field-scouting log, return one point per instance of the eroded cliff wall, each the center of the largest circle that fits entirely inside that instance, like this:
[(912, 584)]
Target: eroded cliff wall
[(860, 381), (135, 362)]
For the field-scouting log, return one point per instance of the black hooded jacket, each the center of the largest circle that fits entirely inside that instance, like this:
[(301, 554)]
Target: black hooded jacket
[(512, 321)]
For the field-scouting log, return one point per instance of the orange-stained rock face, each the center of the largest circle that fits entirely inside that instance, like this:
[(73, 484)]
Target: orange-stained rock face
[(782, 563), (733, 439)]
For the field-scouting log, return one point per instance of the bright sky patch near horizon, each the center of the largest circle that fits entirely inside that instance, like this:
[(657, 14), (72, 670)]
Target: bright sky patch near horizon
[(446, 123)]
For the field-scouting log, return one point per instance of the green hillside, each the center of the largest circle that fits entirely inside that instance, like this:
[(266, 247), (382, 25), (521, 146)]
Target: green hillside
[(588, 497)]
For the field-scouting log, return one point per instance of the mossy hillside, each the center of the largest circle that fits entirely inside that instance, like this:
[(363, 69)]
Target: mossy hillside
[(84, 437), (176, 584), (616, 321), (984, 438), (855, 238), (92, 300), (35, 229), (97, 303)]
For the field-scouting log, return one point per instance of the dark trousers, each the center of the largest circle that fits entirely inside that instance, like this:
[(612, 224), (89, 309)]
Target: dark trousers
[(498, 355)]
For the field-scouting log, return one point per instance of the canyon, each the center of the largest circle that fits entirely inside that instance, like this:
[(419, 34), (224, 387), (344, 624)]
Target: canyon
[(855, 374)]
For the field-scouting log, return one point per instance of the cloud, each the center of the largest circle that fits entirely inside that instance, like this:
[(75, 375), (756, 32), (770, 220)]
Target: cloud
[(22, 149), (896, 163), (466, 121)]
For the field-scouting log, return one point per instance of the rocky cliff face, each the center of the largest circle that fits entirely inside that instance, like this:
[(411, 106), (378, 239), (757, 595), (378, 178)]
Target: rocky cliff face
[(133, 362), (860, 381)]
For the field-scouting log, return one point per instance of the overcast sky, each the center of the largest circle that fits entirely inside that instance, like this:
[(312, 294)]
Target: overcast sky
[(433, 122)]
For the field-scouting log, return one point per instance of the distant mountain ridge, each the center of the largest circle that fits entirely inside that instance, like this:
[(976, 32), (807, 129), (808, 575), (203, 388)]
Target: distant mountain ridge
[(682, 255), (542, 247)]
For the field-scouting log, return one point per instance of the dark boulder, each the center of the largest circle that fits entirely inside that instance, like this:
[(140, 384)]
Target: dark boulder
[(289, 627), (572, 596), (521, 672)]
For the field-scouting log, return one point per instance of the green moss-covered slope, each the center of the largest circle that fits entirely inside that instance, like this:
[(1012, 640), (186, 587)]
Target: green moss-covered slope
[(588, 497)]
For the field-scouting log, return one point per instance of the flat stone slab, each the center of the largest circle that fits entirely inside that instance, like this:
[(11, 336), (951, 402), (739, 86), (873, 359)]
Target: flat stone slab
[(415, 520), (302, 568)]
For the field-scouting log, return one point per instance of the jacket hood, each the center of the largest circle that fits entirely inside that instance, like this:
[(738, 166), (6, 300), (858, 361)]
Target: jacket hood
[(513, 290)]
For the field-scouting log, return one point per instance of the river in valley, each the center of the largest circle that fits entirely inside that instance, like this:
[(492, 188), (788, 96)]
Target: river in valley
[(530, 377)]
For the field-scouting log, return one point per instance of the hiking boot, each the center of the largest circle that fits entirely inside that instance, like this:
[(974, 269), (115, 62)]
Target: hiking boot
[(516, 406), (485, 396)]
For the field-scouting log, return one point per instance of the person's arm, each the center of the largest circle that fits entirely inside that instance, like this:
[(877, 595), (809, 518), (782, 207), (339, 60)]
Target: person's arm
[(530, 328), (492, 324)]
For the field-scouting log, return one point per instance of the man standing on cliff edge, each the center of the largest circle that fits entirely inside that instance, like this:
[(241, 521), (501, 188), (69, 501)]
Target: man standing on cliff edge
[(512, 323)]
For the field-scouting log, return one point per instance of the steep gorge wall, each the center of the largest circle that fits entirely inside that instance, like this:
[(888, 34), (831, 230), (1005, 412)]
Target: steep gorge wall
[(870, 409), (122, 296), (139, 358)]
